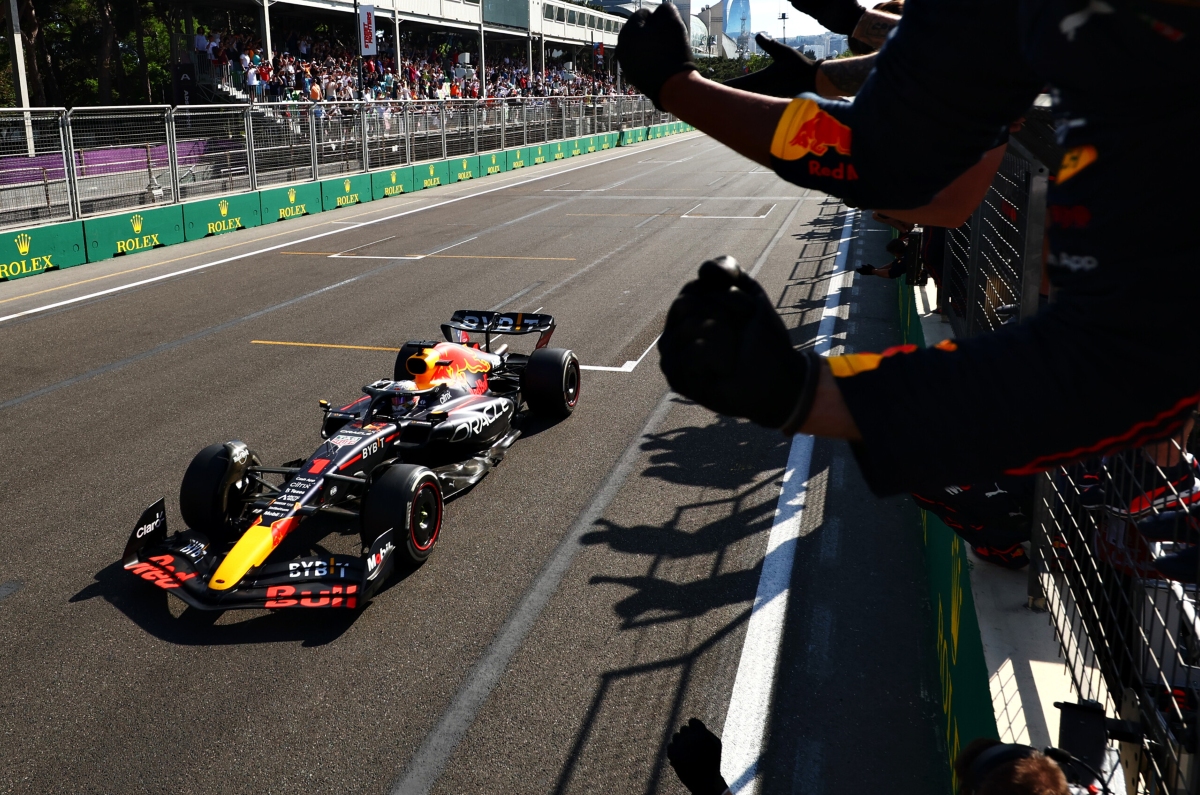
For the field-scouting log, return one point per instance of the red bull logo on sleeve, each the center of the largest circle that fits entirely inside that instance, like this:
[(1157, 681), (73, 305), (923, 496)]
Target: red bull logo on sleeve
[(805, 130)]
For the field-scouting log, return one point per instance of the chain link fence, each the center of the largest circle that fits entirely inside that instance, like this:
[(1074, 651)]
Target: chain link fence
[(1115, 553), (57, 164)]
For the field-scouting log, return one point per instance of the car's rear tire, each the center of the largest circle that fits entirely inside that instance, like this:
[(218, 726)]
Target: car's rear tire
[(406, 499), (550, 383), (212, 494)]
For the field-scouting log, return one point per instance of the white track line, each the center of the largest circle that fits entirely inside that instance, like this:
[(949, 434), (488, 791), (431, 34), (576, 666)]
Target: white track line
[(745, 734), (256, 252), (625, 368)]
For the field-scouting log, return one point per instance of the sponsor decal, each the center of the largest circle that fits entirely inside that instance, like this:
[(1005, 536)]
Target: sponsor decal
[(1076, 160), (855, 363), (805, 130), (1070, 217), (431, 181), (341, 440), (135, 243), (147, 529), (193, 549), (24, 241), (336, 596), (474, 423), (375, 562), (1073, 262), (539, 158), (349, 198), (160, 570), (311, 569), (395, 189), (493, 168)]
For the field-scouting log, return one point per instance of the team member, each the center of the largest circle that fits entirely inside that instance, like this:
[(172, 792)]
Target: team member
[(920, 143)]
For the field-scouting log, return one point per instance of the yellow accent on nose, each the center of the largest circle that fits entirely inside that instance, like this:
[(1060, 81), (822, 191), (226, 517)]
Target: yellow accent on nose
[(250, 551)]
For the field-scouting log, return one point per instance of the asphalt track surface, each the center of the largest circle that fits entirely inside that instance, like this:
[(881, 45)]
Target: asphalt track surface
[(583, 600)]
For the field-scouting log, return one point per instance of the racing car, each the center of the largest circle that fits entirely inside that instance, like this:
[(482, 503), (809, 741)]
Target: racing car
[(391, 458)]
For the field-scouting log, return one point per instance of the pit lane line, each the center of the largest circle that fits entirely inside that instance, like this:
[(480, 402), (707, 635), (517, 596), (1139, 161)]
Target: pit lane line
[(256, 252), (744, 736)]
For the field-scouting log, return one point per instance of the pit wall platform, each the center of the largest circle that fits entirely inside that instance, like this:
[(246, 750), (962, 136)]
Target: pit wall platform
[(998, 660), (28, 252)]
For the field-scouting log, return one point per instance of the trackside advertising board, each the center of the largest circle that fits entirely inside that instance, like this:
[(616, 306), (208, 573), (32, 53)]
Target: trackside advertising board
[(577, 146), (589, 144), (280, 204), (495, 163), (131, 232), (516, 158), (220, 215), (463, 168), (392, 182), (24, 252), (345, 191), (431, 175), (560, 150), (539, 154)]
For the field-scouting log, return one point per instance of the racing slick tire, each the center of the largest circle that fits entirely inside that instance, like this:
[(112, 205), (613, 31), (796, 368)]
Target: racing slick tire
[(211, 496), (550, 383), (406, 499)]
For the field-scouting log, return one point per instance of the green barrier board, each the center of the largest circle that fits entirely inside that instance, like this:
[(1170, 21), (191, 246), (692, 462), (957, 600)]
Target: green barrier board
[(345, 191), (29, 251), (133, 231), (464, 168), (577, 146), (278, 204), (220, 215), (431, 175), (590, 144), (392, 182), (517, 158), (607, 141), (538, 154), (495, 163), (559, 150)]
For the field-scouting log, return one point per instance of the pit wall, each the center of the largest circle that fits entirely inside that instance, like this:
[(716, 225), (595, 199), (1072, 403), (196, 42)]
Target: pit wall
[(28, 252), (966, 698)]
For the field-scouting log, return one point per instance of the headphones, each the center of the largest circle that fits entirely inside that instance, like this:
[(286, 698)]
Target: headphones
[(999, 755)]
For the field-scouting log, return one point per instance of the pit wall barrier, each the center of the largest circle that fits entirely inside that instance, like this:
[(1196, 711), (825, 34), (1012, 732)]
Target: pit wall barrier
[(28, 252), (965, 695)]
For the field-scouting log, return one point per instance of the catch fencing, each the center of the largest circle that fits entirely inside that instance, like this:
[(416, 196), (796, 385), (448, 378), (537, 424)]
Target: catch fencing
[(62, 165), (1114, 546)]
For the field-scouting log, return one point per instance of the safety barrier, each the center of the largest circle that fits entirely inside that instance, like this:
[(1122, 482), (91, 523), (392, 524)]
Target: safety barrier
[(186, 173), (1114, 543)]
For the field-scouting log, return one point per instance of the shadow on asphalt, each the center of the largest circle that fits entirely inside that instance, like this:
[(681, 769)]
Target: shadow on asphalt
[(726, 456), (146, 605)]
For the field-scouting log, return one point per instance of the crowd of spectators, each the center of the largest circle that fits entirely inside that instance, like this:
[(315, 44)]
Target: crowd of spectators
[(429, 65)]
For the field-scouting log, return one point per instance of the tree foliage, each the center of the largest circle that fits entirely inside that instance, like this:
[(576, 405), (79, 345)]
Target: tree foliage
[(722, 68)]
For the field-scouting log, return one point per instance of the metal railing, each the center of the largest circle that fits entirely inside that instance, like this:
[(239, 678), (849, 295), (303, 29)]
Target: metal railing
[(1114, 539), (61, 165)]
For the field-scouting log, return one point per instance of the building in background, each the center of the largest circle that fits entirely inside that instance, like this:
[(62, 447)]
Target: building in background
[(737, 19)]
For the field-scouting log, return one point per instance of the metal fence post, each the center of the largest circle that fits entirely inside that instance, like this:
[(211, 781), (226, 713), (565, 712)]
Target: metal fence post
[(173, 156), (973, 268), (475, 125), (312, 142), (1036, 179), (503, 124), (365, 126), (564, 110), (251, 166), (442, 116), (412, 136), (77, 202), (68, 163)]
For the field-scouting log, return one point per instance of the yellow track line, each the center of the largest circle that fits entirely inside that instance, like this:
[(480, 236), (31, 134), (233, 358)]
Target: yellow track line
[(324, 345)]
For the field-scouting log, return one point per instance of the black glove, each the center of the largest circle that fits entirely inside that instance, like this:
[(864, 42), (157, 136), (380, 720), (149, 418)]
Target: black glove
[(866, 270), (654, 47), (790, 73), (695, 753), (838, 16), (726, 347)]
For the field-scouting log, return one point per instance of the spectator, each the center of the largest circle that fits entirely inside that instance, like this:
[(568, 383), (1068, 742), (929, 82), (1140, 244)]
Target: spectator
[(201, 46), (899, 266), (988, 767)]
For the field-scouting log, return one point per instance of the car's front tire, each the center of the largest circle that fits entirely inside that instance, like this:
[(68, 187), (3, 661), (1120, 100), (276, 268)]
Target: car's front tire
[(406, 499), (214, 488), (550, 383)]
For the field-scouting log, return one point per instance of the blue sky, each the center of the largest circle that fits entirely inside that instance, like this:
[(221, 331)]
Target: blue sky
[(764, 15)]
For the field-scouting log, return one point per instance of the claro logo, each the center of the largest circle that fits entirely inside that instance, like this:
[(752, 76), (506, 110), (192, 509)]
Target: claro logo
[(147, 529)]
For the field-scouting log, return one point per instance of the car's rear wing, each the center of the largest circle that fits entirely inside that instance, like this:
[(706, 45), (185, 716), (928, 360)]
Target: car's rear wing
[(465, 321)]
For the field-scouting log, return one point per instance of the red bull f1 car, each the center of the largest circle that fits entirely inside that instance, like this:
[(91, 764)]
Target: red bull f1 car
[(390, 459)]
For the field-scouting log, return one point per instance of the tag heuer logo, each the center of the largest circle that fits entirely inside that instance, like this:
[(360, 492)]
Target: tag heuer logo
[(393, 177), (224, 206), (291, 196), (136, 221), (431, 171), (346, 185), (23, 240)]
